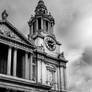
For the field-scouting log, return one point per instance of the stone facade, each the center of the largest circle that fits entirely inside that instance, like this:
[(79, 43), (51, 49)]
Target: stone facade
[(32, 64)]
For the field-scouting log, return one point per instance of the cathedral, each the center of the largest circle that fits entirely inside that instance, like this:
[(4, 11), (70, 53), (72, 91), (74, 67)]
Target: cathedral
[(33, 63)]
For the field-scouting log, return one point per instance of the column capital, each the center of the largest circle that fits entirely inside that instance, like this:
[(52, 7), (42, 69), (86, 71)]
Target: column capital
[(62, 64)]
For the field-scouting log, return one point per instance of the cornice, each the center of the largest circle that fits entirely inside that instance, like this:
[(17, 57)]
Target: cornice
[(22, 82), (14, 43), (50, 57)]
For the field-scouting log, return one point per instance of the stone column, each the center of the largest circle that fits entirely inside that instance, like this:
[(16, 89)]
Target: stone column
[(49, 26), (9, 61), (30, 66), (42, 23), (26, 66), (31, 30), (14, 62)]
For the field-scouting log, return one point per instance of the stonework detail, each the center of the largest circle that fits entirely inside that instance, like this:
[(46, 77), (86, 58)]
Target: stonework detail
[(4, 15)]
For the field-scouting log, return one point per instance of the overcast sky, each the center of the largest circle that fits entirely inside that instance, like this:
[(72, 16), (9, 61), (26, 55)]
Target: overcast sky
[(73, 29)]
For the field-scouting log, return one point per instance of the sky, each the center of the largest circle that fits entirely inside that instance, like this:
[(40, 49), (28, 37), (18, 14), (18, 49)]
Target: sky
[(73, 29)]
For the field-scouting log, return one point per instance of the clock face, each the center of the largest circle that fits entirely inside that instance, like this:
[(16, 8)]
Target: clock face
[(50, 43)]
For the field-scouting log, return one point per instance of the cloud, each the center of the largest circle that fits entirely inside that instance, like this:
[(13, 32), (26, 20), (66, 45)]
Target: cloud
[(81, 76), (73, 28)]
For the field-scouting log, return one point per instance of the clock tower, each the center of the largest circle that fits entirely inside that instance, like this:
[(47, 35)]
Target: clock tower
[(41, 30), (52, 62)]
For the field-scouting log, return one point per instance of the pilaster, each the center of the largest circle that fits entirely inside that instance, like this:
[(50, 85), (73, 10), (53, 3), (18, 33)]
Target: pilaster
[(36, 24), (58, 78), (63, 78), (31, 29), (30, 66)]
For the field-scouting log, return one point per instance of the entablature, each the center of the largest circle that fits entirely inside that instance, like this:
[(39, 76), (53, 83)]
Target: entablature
[(49, 59), (12, 43)]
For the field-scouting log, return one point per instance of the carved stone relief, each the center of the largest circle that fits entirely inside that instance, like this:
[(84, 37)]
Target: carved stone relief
[(4, 30)]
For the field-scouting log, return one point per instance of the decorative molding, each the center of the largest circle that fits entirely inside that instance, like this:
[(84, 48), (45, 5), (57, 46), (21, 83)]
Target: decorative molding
[(51, 67)]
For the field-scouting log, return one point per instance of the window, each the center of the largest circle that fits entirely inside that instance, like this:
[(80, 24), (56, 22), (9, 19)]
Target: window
[(51, 76), (20, 64), (3, 59), (34, 27), (39, 23), (46, 25)]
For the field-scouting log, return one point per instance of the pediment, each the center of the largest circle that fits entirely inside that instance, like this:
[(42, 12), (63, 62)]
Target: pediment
[(4, 30), (11, 32)]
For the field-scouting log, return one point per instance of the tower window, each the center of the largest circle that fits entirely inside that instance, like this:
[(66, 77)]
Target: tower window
[(34, 27), (39, 23), (46, 25)]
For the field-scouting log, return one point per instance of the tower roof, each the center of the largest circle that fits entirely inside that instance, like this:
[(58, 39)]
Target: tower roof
[(41, 8)]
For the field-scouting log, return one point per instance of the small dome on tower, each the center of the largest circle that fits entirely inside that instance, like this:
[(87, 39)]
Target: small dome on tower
[(41, 8)]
